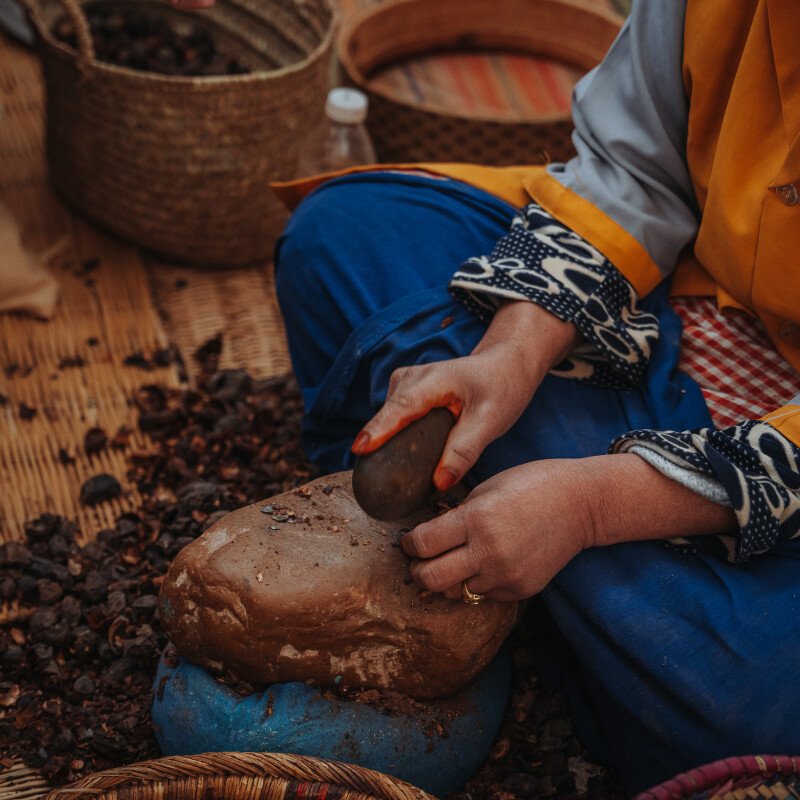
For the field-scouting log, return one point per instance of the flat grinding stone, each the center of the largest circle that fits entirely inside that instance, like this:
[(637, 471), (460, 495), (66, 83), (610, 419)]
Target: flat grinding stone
[(307, 587)]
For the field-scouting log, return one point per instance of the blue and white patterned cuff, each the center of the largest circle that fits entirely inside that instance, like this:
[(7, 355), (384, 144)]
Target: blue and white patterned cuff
[(544, 262), (756, 465)]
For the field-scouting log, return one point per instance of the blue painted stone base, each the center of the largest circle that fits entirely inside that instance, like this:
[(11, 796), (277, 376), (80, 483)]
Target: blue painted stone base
[(193, 713)]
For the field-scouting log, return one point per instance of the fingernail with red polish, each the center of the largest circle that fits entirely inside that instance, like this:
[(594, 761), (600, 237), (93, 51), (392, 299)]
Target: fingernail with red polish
[(361, 443), (444, 478)]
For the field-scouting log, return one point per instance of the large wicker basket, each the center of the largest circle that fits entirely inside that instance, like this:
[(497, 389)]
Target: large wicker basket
[(240, 776), (576, 32), (179, 165), (763, 777)]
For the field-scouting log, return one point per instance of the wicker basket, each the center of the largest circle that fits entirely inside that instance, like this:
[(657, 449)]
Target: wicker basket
[(764, 777), (240, 776), (575, 32), (178, 165)]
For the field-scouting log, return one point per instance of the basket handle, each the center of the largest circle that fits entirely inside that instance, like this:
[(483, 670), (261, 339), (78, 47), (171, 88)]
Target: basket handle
[(83, 34)]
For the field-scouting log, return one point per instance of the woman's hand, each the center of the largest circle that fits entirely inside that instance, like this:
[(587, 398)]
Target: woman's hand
[(487, 391), (518, 529), (511, 535)]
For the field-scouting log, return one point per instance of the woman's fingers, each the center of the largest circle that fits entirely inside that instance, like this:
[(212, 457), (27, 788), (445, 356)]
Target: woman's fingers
[(482, 585), (455, 547), (453, 592), (464, 446), (447, 573), (446, 553), (436, 537), (413, 392), (396, 413), (438, 574)]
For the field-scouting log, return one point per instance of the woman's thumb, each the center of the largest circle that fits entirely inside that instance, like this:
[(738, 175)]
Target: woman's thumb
[(464, 446)]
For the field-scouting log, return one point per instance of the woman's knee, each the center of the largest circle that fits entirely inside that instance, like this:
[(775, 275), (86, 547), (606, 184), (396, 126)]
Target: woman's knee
[(301, 249), (316, 268)]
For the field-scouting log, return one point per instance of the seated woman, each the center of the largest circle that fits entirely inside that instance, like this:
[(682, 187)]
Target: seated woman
[(535, 303)]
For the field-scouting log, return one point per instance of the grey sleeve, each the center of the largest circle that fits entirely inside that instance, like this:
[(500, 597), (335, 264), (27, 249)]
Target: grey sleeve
[(631, 118), (704, 485)]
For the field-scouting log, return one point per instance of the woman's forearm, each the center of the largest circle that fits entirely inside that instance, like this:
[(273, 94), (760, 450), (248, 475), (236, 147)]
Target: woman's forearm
[(632, 501), (540, 338)]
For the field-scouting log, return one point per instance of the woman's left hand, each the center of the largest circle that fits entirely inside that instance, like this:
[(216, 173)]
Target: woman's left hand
[(514, 532), (511, 535)]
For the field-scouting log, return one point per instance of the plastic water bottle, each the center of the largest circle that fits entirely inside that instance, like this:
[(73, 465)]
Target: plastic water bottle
[(340, 140)]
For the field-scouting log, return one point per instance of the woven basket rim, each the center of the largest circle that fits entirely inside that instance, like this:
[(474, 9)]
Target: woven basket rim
[(711, 776), (298, 767), (387, 7), (67, 53)]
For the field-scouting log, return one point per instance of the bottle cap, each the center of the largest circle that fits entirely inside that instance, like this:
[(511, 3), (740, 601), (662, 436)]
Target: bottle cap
[(348, 106)]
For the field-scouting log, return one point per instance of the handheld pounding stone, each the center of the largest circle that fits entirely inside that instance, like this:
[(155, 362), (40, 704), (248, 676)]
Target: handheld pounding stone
[(397, 479)]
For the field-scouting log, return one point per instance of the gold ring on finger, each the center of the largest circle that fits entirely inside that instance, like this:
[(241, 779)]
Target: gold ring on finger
[(472, 598)]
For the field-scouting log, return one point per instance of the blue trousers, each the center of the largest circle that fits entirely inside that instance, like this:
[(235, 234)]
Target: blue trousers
[(672, 660)]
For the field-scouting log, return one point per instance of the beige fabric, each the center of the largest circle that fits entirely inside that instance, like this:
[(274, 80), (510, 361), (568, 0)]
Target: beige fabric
[(26, 284)]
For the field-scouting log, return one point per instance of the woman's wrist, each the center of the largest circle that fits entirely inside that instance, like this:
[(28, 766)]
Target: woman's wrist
[(629, 500), (534, 338)]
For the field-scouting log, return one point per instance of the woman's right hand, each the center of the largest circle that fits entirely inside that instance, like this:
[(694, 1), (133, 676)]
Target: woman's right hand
[(487, 390)]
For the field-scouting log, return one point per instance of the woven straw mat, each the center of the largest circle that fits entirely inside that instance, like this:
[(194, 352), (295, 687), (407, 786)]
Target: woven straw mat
[(70, 370)]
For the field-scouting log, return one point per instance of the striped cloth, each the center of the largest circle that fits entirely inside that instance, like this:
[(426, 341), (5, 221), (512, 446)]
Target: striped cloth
[(506, 86), (741, 374)]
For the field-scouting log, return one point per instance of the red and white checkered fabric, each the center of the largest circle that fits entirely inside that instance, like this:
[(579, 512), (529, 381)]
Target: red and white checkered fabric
[(741, 374)]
